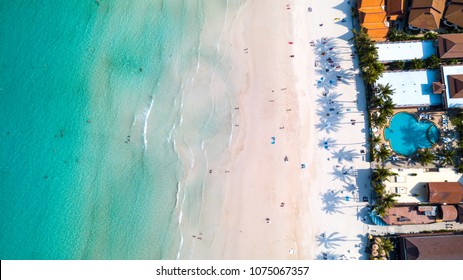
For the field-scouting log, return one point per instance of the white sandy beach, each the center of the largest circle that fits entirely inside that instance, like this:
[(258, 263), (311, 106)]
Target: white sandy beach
[(274, 208)]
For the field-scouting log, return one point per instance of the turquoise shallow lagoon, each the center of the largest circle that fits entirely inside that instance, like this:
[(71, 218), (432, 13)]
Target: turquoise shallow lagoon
[(103, 106)]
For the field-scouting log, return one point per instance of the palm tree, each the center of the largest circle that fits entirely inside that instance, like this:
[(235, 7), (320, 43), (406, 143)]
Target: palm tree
[(379, 188), (386, 245), (447, 157), (459, 168), (372, 71), (388, 108), (383, 154), (380, 119), (374, 140), (425, 156), (384, 92), (382, 173), (388, 200), (380, 210)]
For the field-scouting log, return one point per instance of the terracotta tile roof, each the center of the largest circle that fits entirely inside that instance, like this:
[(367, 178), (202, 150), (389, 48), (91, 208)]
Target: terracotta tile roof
[(445, 192), (449, 213), (426, 14), (407, 215), (454, 13), (440, 246), (456, 86), (395, 7), (451, 46), (437, 87), (372, 17)]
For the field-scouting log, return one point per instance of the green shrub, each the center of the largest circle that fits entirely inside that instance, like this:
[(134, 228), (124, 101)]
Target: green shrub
[(432, 62), (417, 64), (397, 65)]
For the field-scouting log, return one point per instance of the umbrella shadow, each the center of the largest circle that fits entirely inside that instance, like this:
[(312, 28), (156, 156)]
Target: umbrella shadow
[(330, 241)]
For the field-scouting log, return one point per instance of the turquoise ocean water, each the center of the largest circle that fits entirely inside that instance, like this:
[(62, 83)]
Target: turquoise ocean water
[(110, 113)]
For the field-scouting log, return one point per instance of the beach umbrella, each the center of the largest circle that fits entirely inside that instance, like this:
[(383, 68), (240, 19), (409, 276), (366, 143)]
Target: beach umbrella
[(374, 253), (378, 240), (384, 258), (382, 253), (375, 247)]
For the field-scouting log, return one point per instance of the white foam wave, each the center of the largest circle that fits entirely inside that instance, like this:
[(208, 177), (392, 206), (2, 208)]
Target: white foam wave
[(145, 124)]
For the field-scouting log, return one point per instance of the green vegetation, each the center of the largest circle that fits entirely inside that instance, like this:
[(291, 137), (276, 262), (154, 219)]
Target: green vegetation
[(397, 65), (425, 156), (456, 119), (370, 67), (416, 64), (446, 157), (432, 62), (383, 200), (451, 61), (381, 99), (395, 36)]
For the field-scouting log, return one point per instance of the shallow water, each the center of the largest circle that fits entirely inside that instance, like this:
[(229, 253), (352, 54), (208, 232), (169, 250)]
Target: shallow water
[(111, 114)]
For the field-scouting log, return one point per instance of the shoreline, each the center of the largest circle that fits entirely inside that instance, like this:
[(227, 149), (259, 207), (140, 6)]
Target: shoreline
[(285, 200)]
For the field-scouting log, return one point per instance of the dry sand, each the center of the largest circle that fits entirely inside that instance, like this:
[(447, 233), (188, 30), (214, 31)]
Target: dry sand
[(280, 98)]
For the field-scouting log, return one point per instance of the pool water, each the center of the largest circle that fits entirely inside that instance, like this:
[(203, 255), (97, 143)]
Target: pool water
[(406, 134)]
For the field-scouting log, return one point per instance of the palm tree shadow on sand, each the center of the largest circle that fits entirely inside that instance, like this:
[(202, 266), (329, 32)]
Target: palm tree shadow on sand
[(332, 202), (330, 241), (342, 154), (343, 174)]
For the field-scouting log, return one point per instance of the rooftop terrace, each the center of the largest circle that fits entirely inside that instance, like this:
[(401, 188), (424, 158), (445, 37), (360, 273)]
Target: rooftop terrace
[(393, 51), (412, 88)]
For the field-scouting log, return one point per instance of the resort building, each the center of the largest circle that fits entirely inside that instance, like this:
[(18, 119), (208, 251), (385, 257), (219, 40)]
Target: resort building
[(412, 184), (412, 88), (420, 214), (450, 45), (395, 9), (426, 14), (454, 14), (431, 246), (452, 77), (392, 51), (445, 192), (372, 16)]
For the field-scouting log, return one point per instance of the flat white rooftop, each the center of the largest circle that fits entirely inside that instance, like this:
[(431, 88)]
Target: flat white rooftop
[(405, 50), (410, 184), (446, 71), (412, 88)]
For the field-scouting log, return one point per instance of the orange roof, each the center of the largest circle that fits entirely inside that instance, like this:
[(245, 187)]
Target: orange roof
[(454, 13), (369, 3), (372, 17), (445, 192)]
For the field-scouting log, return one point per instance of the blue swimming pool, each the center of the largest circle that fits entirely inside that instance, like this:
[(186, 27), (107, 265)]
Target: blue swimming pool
[(406, 134)]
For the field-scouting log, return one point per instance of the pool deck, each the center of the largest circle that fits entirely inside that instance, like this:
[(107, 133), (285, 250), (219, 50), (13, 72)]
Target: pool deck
[(403, 161)]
